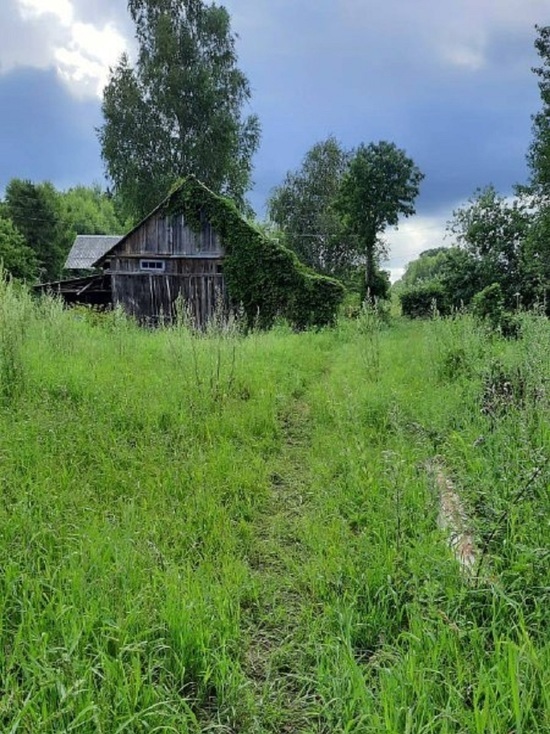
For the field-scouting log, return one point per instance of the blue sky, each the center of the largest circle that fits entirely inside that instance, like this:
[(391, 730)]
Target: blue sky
[(450, 82)]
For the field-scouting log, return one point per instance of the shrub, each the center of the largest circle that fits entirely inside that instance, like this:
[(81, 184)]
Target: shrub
[(379, 287), (488, 306), (421, 300)]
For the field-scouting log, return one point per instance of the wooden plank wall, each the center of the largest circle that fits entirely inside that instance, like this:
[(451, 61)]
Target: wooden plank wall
[(151, 297), (192, 269), (170, 235)]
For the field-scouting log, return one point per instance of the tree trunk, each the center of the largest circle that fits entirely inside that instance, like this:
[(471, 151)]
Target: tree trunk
[(370, 269)]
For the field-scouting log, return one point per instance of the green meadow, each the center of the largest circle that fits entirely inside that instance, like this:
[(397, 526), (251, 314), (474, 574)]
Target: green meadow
[(230, 533)]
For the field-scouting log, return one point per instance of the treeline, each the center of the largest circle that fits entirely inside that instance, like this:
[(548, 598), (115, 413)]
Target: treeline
[(500, 259), (181, 108), (38, 224), (333, 211)]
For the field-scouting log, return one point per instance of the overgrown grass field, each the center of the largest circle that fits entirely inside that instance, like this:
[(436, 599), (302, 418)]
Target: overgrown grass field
[(239, 534)]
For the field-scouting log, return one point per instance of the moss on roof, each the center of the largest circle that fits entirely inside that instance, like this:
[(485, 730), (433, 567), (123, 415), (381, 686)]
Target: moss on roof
[(262, 276)]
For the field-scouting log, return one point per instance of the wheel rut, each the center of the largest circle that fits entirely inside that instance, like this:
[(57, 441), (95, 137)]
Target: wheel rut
[(272, 661)]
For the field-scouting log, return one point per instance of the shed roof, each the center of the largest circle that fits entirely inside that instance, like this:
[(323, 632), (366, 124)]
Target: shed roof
[(88, 248), (189, 180)]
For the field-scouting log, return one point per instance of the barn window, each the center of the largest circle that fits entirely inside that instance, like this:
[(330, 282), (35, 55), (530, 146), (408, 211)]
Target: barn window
[(152, 266)]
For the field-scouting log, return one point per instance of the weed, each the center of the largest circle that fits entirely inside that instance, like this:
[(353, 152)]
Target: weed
[(212, 531)]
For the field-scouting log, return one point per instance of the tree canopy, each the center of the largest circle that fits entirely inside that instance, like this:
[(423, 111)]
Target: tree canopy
[(502, 253), (179, 110), (89, 210), (302, 207), (41, 221), (34, 210), (492, 230), (538, 155), (491, 236), (15, 257), (380, 186), (429, 266)]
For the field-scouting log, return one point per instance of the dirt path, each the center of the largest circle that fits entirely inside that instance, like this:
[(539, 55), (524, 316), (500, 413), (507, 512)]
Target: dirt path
[(272, 659)]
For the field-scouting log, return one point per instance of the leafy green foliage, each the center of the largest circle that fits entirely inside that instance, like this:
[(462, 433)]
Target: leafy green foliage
[(380, 186), (535, 286), (179, 110), (15, 257), (488, 305), (539, 152), (302, 208), (460, 277), (34, 210), (48, 221), (263, 277), (424, 299), (492, 231), (429, 265), (501, 262), (89, 210), (496, 245)]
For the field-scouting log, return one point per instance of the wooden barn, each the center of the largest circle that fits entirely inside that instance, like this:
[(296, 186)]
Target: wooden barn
[(164, 259), (196, 249), (146, 271)]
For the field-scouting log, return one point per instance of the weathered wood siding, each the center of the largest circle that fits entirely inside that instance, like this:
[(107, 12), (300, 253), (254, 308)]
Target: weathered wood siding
[(152, 297), (190, 268), (170, 235)]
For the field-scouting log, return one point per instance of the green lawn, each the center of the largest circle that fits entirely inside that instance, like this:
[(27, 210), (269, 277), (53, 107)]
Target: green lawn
[(239, 534)]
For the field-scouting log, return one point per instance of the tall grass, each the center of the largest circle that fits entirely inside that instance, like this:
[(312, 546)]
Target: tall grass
[(224, 533)]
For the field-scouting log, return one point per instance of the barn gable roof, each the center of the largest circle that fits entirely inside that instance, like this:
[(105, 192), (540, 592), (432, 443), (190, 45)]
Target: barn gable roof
[(87, 249), (164, 204)]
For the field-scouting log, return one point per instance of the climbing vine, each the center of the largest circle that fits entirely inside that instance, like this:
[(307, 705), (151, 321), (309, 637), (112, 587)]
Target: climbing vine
[(262, 276)]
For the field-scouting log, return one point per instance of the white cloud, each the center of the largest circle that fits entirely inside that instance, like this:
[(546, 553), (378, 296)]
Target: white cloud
[(395, 273), (413, 237), (81, 52), (465, 56), (61, 9), (84, 62)]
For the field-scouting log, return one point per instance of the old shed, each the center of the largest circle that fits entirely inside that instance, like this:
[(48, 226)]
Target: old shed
[(196, 249), (164, 259)]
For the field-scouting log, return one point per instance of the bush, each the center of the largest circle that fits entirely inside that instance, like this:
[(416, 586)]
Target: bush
[(488, 306), (420, 301), (379, 287)]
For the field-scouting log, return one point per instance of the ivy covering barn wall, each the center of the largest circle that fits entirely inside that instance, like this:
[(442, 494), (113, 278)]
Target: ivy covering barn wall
[(262, 276)]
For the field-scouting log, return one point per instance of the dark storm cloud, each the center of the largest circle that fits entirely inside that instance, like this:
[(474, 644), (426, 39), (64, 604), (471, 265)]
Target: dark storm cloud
[(46, 134), (456, 92), (451, 83)]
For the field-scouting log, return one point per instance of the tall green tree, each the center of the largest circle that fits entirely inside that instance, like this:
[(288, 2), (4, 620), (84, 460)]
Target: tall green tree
[(302, 207), (380, 186), (538, 156), (536, 286), (15, 257), (90, 210), (427, 267), (179, 110), (493, 231), (34, 209)]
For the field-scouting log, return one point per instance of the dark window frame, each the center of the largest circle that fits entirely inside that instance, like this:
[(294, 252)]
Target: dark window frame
[(149, 265)]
